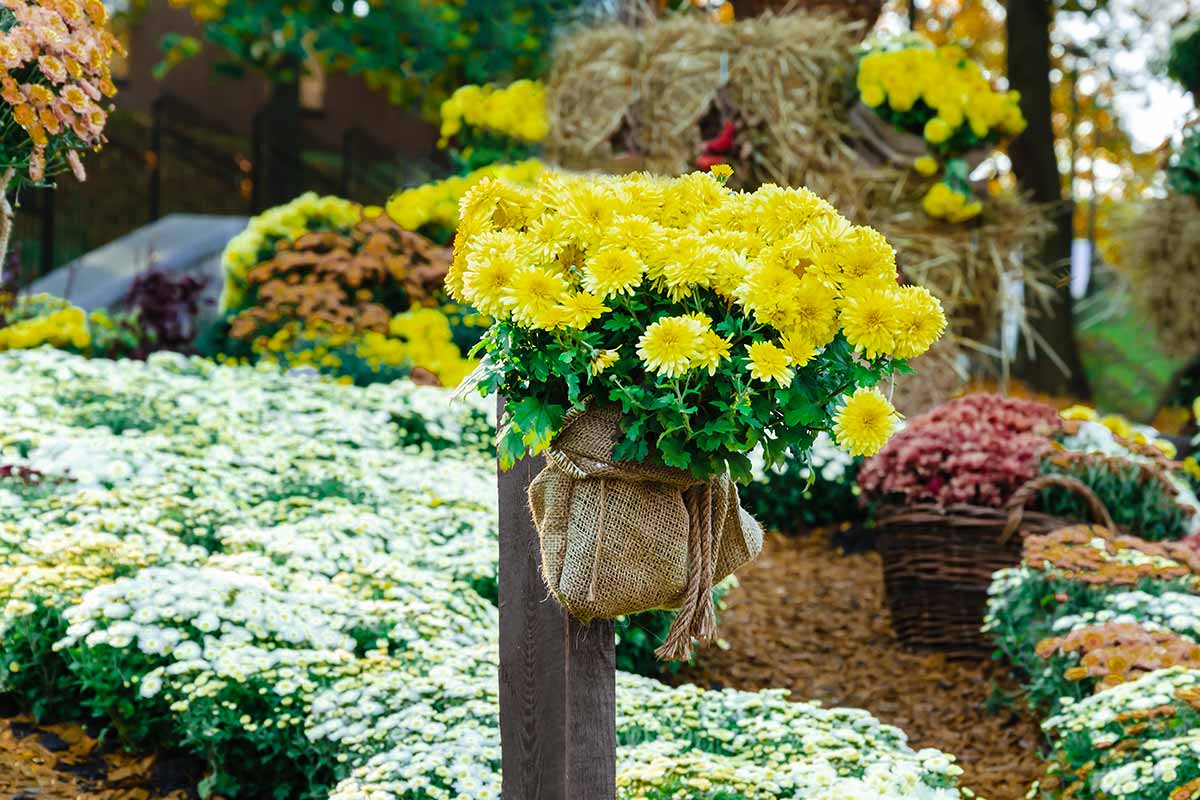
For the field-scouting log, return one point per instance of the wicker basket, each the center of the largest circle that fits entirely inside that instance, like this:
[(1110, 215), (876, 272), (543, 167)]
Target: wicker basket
[(938, 563)]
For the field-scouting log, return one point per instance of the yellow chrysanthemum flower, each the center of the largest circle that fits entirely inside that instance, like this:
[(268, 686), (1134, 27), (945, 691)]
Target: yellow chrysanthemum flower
[(614, 271), (865, 423), (870, 321), (1118, 425), (485, 280), (926, 165), (603, 360), (712, 351), (920, 320), (813, 312), (1192, 467), (767, 362), (937, 130), (873, 95), (532, 292), (1167, 447), (1079, 412), (866, 259), (799, 348), (582, 308), (668, 346)]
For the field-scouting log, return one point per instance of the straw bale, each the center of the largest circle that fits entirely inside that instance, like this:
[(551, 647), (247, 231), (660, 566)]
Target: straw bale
[(1159, 243)]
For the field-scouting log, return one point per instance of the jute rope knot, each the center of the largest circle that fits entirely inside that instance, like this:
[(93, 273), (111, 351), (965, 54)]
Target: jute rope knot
[(697, 619)]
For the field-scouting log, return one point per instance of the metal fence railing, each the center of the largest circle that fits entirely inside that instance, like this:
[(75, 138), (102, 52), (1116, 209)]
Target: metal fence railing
[(179, 159)]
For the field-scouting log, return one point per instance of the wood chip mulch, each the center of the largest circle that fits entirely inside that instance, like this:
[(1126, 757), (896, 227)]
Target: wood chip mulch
[(65, 762), (812, 619)]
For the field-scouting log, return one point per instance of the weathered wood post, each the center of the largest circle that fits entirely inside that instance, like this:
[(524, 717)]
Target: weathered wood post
[(557, 676)]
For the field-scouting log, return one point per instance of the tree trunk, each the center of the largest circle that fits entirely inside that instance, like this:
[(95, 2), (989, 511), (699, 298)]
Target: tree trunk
[(1027, 24), (282, 144)]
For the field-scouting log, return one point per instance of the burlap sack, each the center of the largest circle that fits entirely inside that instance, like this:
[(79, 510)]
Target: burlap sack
[(620, 538)]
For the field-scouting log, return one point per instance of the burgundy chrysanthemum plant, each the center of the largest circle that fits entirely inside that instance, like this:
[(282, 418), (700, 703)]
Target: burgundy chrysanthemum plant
[(978, 450)]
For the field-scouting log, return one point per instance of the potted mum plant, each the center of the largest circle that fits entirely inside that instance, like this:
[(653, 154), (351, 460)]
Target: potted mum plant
[(649, 333), (56, 56), (934, 109), (946, 491)]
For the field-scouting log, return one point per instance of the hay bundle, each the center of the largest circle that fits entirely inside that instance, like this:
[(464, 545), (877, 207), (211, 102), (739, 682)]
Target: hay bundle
[(679, 75), (591, 93), (638, 94), (1160, 253), (786, 81)]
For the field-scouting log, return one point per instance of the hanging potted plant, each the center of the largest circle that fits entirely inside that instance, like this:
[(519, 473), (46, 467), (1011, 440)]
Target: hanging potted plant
[(933, 109), (56, 59), (649, 334)]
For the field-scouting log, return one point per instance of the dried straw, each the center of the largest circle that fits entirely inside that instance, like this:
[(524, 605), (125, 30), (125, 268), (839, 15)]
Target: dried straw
[(625, 97), (1160, 253)]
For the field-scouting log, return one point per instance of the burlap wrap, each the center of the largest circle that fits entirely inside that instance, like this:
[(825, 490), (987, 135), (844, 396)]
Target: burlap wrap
[(621, 538)]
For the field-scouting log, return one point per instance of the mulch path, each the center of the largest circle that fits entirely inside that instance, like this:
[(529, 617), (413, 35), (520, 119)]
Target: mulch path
[(65, 762), (812, 619)]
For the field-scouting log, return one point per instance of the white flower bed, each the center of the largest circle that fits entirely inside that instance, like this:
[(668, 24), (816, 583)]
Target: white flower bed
[(292, 579)]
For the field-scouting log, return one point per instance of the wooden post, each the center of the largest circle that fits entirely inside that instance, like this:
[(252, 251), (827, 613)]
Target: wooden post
[(557, 676)]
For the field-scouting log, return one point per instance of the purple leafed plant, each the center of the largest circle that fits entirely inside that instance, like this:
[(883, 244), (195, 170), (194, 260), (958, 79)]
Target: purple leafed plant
[(166, 306)]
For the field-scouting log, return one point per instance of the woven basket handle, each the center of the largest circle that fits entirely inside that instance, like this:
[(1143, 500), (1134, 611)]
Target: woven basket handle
[(1016, 504)]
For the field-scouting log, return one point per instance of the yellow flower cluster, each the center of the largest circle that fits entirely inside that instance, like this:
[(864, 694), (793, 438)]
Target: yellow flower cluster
[(289, 221), (946, 81), (437, 203), (553, 256), (548, 257), (43, 319), (1122, 427), (944, 202), (417, 338), (517, 111)]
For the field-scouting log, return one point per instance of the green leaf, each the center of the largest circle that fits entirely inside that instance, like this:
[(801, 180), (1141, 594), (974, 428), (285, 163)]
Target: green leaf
[(674, 451)]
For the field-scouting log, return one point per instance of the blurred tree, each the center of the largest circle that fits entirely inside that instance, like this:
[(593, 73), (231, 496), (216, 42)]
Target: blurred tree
[(1035, 163), (417, 51), (1102, 74)]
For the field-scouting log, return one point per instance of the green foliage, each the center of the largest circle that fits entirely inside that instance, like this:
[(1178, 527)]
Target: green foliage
[(1139, 506), (1183, 173), (418, 54), (1183, 63), (639, 635), (474, 148)]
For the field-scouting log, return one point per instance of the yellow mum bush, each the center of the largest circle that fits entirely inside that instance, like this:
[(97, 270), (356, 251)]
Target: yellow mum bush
[(432, 208), (940, 94), (418, 338), (517, 111), (36, 320), (717, 320)]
